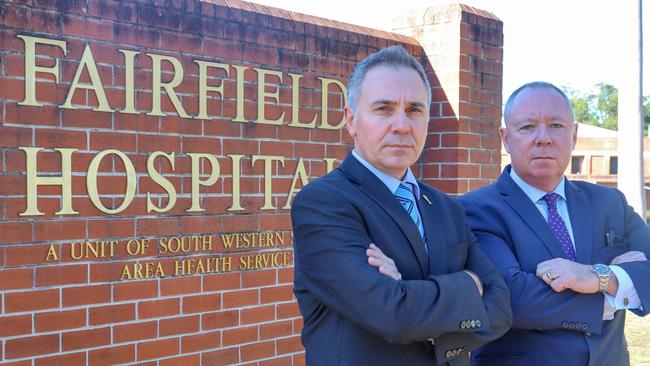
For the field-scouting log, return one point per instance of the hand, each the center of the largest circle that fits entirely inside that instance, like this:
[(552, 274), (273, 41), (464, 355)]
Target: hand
[(631, 256), (562, 274), (477, 281), (377, 258)]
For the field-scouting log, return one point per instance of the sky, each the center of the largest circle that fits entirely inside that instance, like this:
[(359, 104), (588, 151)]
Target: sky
[(575, 43)]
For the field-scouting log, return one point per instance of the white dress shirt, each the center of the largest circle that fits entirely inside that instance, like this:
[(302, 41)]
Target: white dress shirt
[(626, 296)]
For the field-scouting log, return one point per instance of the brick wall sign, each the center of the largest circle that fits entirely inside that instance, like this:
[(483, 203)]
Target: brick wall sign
[(150, 151)]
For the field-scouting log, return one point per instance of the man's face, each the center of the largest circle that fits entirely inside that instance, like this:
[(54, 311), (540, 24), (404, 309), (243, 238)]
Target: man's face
[(389, 127), (540, 135)]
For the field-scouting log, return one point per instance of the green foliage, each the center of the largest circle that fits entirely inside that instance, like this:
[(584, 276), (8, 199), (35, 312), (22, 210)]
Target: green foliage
[(600, 108)]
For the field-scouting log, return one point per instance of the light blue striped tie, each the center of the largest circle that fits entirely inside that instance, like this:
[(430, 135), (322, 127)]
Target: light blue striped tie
[(404, 194)]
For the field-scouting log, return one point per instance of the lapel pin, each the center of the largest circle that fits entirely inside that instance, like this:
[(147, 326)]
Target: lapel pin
[(426, 198)]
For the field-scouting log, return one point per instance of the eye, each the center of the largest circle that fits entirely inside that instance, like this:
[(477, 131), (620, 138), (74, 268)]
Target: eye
[(415, 110), (557, 125), (383, 108), (526, 127)]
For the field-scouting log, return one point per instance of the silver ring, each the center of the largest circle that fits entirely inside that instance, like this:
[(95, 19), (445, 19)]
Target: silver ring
[(549, 276)]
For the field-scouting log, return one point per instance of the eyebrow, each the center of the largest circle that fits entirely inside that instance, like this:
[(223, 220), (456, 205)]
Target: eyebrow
[(392, 102)]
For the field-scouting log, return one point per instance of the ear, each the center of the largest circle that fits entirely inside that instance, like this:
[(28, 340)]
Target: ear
[(350, 123), (575, 135), (504, 138)]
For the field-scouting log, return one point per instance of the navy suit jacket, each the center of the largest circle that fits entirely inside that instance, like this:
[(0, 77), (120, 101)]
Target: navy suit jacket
[(566, 327), (354, 315)]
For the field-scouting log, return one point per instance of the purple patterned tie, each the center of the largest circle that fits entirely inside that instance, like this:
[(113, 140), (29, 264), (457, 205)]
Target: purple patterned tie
[(558, 227)]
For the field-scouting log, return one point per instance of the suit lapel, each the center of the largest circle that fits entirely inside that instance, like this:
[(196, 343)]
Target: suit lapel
[(580, 215), (435, 233), (526, 209), (377, 191)]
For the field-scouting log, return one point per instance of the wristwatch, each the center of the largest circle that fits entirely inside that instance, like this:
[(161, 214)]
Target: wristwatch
[(603, 272)]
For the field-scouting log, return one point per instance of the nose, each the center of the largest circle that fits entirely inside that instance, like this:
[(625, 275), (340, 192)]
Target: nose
[(401, 123), (543, 137)]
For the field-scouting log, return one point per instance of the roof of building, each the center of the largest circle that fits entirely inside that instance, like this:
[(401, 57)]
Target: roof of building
[(585, 130)]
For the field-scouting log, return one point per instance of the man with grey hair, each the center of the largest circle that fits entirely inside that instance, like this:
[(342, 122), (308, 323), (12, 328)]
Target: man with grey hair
[(574, 254), (439, 297)]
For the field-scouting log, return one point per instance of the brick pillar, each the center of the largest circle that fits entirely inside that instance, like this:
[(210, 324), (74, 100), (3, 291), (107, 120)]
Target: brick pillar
[(463, 50)]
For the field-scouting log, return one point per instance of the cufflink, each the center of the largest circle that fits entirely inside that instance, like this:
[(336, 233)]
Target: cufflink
[(473, 323)]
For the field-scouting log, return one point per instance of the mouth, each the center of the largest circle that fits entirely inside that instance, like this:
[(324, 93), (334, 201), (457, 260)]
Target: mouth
[(399, 146)]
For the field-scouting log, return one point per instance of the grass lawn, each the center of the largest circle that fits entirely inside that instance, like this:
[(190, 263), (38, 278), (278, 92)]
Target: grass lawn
[(637, 332)]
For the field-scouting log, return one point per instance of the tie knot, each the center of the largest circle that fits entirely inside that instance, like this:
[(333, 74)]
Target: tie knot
[(551, 198), (406, 186)]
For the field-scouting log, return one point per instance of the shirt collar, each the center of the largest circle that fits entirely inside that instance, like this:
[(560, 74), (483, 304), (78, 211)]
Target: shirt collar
[(389, 181), (533, 193)]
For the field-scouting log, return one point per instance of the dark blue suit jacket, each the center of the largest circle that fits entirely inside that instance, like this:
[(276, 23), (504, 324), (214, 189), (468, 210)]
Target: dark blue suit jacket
[(557, 328), (354, 315)]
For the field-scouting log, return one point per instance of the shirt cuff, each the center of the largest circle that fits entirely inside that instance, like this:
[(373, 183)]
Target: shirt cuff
[(626, 296)]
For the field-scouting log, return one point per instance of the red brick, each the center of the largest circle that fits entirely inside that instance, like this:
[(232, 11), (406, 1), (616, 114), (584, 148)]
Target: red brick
[(258, 278), (61, 275), (15, 232), (58, 138), (43, 115), (87, 27), (239, 335), (59, 320), (289, 310), (85, 338), (222, 357), (15, 325), (198, 342), (15, 136), (135, 290), (158, 308), (276, 330), (16, 255), (135, 332), (289, 345), (240, 298), (78, 358), (176, 286), (85, 295), (257, 351), (221, 281), (101, 229), (201, 303), (158, 349), (257, 314), (180, 325), (59, 230), (275, 294), (221, 319), (112, 355), (277, 361), (31, 346), (31, 300), (12, 279), (125, 142), (189, 360), (158, 226), (111, 314)]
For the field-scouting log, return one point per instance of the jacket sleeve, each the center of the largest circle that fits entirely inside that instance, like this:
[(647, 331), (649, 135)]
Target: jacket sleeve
[(330, 239), (496, 299), (637, 237), (535, 306)]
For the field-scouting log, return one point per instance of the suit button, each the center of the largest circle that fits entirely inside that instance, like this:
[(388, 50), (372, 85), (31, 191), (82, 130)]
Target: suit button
[(572, 326), (464, 324), (478, 323), (565, 325), (473, 323), (454, 353), (447, 354), (585, 326)]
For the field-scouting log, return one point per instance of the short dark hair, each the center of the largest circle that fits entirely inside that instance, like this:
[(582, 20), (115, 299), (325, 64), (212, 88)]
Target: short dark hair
[(534, 84), (393, 56)]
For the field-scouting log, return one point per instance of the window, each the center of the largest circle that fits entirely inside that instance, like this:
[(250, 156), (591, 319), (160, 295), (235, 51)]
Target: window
[(576, 164), (613, 165)]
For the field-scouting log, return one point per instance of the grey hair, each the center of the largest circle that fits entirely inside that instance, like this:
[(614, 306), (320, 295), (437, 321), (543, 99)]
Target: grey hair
[(393, 56), (535, 84)]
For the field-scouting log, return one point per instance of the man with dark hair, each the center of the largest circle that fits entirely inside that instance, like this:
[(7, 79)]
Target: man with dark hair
[(572, 253), (439, 297)]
